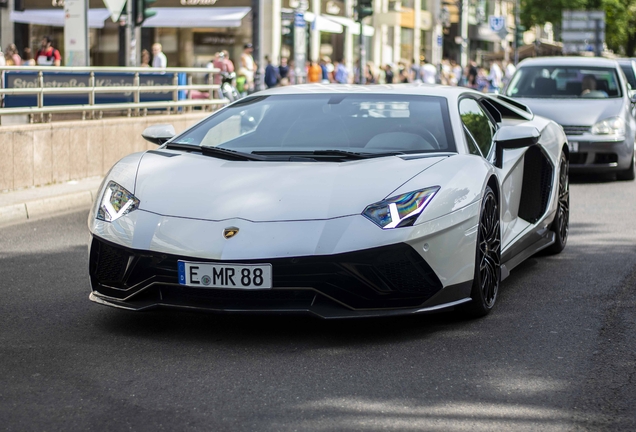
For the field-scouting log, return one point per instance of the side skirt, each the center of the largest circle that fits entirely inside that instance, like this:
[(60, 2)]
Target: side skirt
[(547, 238)]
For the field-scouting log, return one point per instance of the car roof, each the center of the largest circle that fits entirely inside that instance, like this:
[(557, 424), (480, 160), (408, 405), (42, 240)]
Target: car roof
[(625, 60), (568, 61), (419, 89)]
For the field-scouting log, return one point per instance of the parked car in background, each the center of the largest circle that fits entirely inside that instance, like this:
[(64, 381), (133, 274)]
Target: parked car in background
[(589, 98)]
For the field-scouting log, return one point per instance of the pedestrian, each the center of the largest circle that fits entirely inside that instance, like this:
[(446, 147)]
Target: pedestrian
[(429, 73), (48, 55), (495, 77), (509, 72), (12, 56), (403, 73), (370, 73), (283, 72), (27, 58), (341, 74), (145, 58), (325, 70), (226, 60), (241, 81), (457, 73), (388, 74), (250, 66), (271, 74), (314, 73), (415, 72), (159, 59)]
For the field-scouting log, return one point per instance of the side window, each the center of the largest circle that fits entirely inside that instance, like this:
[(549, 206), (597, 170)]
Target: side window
[(472, 145), (477, 123)]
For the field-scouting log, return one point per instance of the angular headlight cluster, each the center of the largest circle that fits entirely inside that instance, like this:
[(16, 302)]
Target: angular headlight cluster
[(401, 210), (610, 126), (116, 202)]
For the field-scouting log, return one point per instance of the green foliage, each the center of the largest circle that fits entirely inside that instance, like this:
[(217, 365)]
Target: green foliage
[(620, 17), (479, 128)]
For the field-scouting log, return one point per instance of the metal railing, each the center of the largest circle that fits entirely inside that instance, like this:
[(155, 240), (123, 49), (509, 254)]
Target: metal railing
[(181, 99)]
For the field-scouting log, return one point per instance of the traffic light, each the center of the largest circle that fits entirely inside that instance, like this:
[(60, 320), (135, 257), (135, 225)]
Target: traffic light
[(364, 8), (142, 10), (519, 35)]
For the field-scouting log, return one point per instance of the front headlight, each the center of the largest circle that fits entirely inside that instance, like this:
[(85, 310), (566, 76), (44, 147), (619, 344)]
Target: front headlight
[(610, 126), (400, 211), (116, 202)]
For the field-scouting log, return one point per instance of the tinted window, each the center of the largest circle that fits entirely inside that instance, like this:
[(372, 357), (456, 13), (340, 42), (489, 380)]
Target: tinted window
[(472, 145), (565, 82), (360, 123), (629, 74), (477, 123)]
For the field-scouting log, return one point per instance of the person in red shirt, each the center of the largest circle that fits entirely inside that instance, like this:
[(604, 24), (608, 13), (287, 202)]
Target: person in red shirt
[(47, 55)]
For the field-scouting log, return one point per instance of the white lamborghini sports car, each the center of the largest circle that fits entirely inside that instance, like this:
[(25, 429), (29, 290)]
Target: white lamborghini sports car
[(337, 201)]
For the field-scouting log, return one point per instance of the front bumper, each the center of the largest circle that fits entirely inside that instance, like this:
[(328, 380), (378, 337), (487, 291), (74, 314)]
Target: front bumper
[(600, 156), (388, 280)]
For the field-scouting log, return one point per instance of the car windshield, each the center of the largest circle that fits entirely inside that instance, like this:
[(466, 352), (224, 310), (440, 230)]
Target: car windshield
[(327, 124), (569, 82)]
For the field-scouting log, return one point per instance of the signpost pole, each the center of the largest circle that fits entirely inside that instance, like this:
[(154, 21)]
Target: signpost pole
[(130, 30), (76, 33), (517, 24), (598, 43), (300, 42)]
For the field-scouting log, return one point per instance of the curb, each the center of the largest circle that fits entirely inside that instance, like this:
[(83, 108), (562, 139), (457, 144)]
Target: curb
[(46, 204)]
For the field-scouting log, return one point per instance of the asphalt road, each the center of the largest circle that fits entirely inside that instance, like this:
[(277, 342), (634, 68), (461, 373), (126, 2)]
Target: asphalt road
[(557, 353)]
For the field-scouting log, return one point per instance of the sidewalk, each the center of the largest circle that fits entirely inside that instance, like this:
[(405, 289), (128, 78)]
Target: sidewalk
[(31, 203)]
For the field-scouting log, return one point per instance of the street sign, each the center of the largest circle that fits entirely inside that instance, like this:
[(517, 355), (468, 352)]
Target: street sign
[(497, 23), (115, 7), (583, 31)]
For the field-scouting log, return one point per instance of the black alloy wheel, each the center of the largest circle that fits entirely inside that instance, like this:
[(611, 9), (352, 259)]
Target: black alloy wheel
[(487, 259), (561, 224)]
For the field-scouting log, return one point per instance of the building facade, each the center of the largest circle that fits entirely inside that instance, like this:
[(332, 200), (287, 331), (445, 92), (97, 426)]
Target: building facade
[(192, 31)]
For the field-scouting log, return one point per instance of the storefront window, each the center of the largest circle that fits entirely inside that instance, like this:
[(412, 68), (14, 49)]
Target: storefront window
[(406, 44)]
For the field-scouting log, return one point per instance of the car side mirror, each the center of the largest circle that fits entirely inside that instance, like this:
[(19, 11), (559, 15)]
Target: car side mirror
[(514, 137), (158, 134)]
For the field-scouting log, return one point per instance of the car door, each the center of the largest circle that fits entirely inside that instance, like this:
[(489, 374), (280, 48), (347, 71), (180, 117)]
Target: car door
[(480, 128)]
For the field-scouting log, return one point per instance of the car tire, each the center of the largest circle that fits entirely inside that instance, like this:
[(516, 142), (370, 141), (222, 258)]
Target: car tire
[(487, 258), (561, 224), (629, 173)]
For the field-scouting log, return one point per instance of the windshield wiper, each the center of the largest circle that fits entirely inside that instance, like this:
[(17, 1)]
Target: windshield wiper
[(338, 154), (221, 153)]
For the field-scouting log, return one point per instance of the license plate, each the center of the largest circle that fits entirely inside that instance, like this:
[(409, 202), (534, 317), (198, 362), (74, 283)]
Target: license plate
[(573, 146), (239, 276)]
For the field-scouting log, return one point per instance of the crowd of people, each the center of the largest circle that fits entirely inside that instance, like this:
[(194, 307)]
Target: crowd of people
[(322, 70), (449, 72)]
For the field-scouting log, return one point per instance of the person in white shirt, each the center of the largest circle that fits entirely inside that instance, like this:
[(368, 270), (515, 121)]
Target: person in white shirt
[(510, 71), (159, 59), (495, 76), (248, 63)]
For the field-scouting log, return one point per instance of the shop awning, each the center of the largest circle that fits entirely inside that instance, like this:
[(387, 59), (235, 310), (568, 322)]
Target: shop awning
[(353, 26), (201, 17), (323, 24), (55, 17)]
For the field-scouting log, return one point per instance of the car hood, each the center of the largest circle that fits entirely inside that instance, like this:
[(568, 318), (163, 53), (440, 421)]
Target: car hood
[(574, 112), (194, 186)]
